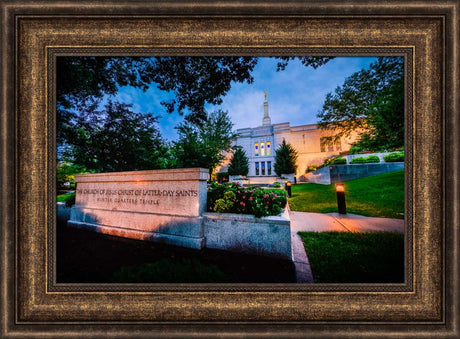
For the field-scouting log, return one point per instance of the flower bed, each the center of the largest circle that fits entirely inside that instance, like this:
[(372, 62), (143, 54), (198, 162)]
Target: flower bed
[(233, 198)]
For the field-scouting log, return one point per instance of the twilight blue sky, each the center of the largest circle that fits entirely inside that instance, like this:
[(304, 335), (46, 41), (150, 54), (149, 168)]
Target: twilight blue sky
[(294, 95)]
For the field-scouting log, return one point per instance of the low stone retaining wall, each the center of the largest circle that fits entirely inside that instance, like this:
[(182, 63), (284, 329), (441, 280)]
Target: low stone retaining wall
[(268, 236), (320, 176), (365, 155), (262, 180), (238, 179), (339, 173)]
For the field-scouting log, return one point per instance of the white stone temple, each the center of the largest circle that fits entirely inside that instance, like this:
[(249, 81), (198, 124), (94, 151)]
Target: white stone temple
[(260, 144)]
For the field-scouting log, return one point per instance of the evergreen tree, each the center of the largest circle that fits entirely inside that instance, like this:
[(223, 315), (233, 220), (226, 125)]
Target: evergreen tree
[(239, 164), (285, 159)]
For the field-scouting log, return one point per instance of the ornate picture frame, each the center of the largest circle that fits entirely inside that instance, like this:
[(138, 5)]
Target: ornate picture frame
[(33, 304)]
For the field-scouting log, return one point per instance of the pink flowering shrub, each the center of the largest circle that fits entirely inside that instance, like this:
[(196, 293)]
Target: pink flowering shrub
[(248, 200)]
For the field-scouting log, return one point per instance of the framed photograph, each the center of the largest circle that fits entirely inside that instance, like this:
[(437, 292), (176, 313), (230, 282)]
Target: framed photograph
[(43, 292)]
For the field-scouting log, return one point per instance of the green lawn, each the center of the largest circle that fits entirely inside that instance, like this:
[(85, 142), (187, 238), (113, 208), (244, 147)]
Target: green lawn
[(343, 257), (379, 195), (62, 197)]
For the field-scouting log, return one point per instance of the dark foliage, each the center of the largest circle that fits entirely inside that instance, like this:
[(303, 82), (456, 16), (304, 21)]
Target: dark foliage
[(371, 100), (115, 139), (239, 163), (285, 159), (204, 145)]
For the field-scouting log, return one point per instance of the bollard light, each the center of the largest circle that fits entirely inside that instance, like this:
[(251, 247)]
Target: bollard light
[(288, 188), (340, 189)]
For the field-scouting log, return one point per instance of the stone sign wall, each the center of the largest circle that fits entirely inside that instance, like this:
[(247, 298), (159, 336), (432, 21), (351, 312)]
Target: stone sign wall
[(158, 205)]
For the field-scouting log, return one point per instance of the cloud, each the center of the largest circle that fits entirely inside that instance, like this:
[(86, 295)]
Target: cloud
[(295, 95)]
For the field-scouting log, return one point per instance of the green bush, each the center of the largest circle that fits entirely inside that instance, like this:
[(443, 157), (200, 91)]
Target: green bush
[(372, 158), (276, 184), (232, 198), (394, 157), (216, 191), (328, 161), (225, 205), (65, 174), (339, 161), (355, 150), (358, 160), (312, 168), (365, 160), (70, 200)]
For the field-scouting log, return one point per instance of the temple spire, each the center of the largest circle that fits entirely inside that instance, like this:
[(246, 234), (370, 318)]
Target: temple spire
[(266, 121)]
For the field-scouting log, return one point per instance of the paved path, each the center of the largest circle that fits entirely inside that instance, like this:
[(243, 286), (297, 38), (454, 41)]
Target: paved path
[(319, 222)]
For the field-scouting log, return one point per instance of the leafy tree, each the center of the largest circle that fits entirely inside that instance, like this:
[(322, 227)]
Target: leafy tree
[(371, 101), (111, 142), (195, 81), (308, 61), (66, 174), (116, 139), (285, 159), (204, 145), (239, 163)]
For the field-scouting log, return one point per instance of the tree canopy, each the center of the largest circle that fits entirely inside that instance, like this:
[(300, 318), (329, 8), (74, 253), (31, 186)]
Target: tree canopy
[(285, 159), (204, 145), (103, 139), (193, 81), (115, 139), (372, 101), (239, 163)]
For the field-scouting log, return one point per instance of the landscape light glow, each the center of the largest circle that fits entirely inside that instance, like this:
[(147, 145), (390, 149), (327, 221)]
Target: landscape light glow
[(341, 206)]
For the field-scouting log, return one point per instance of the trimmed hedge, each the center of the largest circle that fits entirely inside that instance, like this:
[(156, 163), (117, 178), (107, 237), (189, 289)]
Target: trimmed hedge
[(365, 160), (394, 157), (359, 160), (372, 158), (339, 161)]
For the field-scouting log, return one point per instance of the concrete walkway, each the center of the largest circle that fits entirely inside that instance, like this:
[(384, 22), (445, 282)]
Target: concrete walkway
[(319, 222)]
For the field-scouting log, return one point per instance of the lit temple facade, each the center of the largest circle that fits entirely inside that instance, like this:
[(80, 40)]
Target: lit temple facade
[(260, 144)]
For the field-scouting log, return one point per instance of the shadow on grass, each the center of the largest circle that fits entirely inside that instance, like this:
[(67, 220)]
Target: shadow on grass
[(89, 257), (344, 257)]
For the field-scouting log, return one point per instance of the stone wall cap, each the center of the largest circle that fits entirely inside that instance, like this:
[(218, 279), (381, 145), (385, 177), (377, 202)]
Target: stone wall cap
[(278, 219), (179, 174)]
